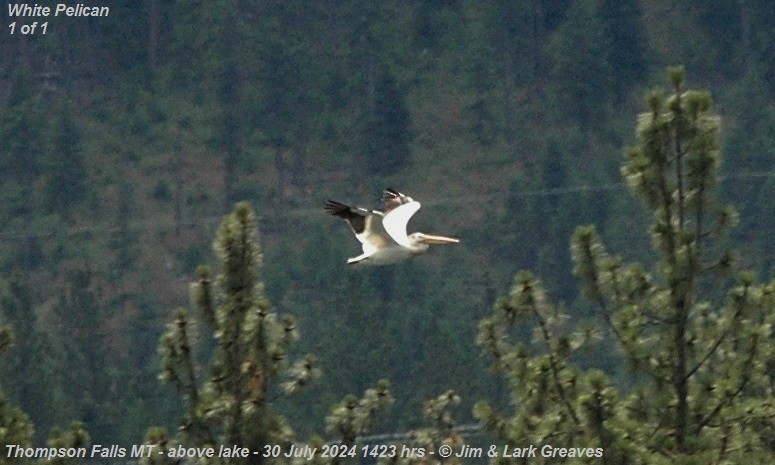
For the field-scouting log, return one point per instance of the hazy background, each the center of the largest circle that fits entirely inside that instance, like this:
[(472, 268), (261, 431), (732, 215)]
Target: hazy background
[(124, 140)]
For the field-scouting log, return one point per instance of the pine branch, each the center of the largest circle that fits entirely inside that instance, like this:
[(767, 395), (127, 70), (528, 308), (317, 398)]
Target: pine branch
[(728, 398), (583, 243), (191, 384), (553, 365), (715, 345)]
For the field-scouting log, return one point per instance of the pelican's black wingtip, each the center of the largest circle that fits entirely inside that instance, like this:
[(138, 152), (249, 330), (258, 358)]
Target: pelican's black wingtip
[(335, 208)]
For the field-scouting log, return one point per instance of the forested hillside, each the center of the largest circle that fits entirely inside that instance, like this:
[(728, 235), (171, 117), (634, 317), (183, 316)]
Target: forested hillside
[(126, 139)]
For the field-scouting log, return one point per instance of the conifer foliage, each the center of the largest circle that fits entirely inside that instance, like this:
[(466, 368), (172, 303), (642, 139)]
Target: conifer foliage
[(439, 432), (15, 425), (355, 417), (250, 367), (28, 362), (704, 362)]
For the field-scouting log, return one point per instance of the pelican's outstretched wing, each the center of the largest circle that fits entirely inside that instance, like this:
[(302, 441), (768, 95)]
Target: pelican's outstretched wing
[(396, 219), (367, 225), (392, 199)]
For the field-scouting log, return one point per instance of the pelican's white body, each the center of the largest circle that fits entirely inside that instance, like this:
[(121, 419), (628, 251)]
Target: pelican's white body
[(389, 255), (384, 240)]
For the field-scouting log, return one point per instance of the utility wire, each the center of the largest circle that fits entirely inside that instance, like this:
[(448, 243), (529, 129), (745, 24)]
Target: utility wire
[(145, 224), (469, 430)]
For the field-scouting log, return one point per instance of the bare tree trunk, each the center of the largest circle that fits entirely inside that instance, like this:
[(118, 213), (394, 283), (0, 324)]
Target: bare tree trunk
[(298, 170), (537, 34), (279, 164), (509, 56), (153, 33), (24, 52), (178, 170), (370, 110), (745, 34)]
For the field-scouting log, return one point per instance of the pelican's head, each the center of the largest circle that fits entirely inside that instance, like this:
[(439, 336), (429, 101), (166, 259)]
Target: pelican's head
[(420, 241)]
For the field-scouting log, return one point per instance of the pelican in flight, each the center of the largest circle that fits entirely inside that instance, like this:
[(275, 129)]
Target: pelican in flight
[(383, 233)]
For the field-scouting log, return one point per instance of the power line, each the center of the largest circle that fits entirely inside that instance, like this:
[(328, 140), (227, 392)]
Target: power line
[(555, 191), (145, 224), (469, 430)]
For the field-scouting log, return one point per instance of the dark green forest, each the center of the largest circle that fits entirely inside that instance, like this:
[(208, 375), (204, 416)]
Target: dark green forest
[(168, 274)]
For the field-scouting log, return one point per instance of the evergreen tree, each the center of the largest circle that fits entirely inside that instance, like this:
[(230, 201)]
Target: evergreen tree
[(212, 50), (15, 426), (29, 364), (703, 364), (22, 140), (85, 364), (516, 31), (31, 371), (582, 65), (66, 180), (387, 128), (72, 438), (15, 429), (627, 54), (347, 421), (758, 20), (250, 368), (441, 432), (228, 91), (159, 438), (286, 104), (21, 130), (355, 417), (729, 37), (6, 337), (123, 239), (557, 403)]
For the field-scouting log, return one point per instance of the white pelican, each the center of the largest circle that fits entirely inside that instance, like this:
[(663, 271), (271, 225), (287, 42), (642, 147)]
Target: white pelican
[(383, 233)]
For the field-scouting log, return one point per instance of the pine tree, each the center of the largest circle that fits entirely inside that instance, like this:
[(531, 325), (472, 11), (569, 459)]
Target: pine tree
[(124, 238), (66, 180), (22, 141), (6, 337), (628, 45), (284, 92), (206, 55), (86, 366), (21, 130), (703, 363), (348, 421), (159, 439), (28, 364), (15, 429), (355, 417), (15, 426), (440, 432), (250, 368), (387, 127), (74, 437), (582, 67), (557, 403)]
